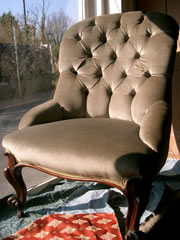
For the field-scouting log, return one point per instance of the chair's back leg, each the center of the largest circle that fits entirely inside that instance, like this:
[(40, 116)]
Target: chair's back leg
[(137, 192), (14, 176)]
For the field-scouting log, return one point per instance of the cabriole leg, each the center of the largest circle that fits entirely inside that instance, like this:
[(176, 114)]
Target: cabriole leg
[(138, 192), (14, 177)]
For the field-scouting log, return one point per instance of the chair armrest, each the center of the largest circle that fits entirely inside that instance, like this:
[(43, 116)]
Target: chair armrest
[(155, 126), (49, 111)]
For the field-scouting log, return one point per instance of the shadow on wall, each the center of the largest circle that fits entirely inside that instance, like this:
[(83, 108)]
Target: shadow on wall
[(162, 23), (175, 103)]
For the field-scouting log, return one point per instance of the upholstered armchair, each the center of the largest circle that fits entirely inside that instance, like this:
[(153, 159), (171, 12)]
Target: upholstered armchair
[(109, 120)]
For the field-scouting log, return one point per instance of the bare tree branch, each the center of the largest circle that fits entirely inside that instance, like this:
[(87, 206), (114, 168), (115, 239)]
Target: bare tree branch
[(57, 24)]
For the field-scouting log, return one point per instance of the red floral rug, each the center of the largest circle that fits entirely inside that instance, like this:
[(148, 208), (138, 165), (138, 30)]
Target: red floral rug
[(71, 227)]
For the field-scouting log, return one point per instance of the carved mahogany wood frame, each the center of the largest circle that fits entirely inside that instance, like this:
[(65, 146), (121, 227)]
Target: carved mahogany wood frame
[(136, 191)]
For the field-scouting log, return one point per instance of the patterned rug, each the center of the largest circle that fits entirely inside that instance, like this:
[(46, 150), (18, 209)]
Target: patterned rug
[(71, 226), (72, 198)]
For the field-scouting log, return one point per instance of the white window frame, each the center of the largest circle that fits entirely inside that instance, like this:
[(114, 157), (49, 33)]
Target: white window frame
[(91, 8)]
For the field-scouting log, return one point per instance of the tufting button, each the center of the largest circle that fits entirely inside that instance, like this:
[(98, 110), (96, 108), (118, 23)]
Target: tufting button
[(109, 92), (92, 23), (133, 93), (73, 70), (137, 55), (98, 73), (148, 34), (86, 91), (88, 52), (126, 38), (102, 37), (141, 19), (124, 75), (77, 37), (147, 74), (113, 56)]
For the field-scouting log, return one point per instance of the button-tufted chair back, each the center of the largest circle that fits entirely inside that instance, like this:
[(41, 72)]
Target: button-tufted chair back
[(108, 68), (116, 68)]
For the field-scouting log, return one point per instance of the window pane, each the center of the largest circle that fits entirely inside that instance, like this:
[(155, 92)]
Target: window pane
[(30, 35)]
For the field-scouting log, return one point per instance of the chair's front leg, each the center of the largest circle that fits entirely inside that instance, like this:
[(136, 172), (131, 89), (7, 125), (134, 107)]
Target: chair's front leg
[(137, 192), (14, 177)]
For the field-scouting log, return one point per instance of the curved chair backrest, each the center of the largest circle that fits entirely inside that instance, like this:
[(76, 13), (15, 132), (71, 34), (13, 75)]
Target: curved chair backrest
[(116, 66), (113, 66)]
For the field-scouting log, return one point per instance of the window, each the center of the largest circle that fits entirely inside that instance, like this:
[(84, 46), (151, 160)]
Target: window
[(91, 8), (30, 34)]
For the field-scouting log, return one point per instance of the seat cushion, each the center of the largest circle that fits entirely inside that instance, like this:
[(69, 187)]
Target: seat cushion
[(89, 147)]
